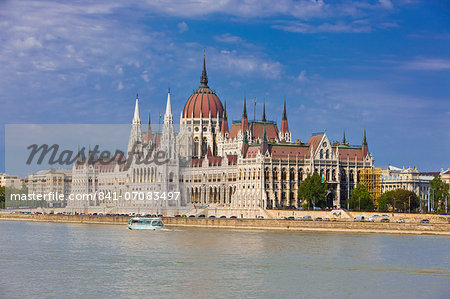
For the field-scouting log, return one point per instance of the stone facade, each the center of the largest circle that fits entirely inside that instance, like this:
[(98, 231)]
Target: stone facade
[(249, 165), (53, 180)]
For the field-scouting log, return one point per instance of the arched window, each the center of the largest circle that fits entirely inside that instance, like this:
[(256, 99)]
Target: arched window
[(196, 147), (327, 154), (300, 175), (321, 154)]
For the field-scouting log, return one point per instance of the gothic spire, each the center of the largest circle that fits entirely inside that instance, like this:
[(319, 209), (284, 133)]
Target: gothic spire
[(224, 128), (364, 142), (244, 113), (224, 116), (204, 77), (168, 115), (136, 118), (344, 141), (284, 122), (244, 121), (264, 113)]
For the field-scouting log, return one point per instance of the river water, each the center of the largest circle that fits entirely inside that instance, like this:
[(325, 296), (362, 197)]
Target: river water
[(59, 260)]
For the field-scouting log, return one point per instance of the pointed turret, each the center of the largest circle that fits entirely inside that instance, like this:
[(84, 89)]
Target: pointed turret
[(136, 133), (224, 128), (365, 147), (136, 118), (204, 77), (168, 115), (244, 122), (264, 113), (284, 135), (148, 134), (344, 141), (364, 142), (284, 123), (264, 144)]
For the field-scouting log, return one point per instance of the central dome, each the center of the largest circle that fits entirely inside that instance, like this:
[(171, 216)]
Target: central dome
[(203, 101)]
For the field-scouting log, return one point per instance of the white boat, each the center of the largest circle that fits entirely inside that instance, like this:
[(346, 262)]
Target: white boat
[(145, 224)]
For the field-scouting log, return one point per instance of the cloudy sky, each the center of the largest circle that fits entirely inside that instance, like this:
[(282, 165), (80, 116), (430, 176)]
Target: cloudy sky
[(341, 65)]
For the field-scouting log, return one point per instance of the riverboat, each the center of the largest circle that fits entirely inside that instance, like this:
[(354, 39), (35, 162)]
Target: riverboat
[(145, 224)]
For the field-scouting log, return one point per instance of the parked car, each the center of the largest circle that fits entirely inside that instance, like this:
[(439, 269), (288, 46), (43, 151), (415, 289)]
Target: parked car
[(425, 221), (233, 217), (376, 215), (291, 218), (318, 219), (384, 220), (333, 219), (223, 216), (401, 220), (307, 218), (212, 216), (177, 216), (326, 219), (370, 219), (191, 216), (358, 219), (384, 215), (201, 216), (259, 217)]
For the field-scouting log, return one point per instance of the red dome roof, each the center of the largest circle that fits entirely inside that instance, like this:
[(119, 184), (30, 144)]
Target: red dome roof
[(201, 103)]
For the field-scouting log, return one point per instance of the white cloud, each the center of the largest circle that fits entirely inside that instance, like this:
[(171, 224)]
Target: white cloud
[(27, 43), (427, 64), (182, 27), (227, 38), (120, 85), (145, 77), (240, 64), (302, 76), (339, 27)]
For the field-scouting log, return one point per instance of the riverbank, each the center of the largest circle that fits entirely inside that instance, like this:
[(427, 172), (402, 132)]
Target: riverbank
[(441, 229)]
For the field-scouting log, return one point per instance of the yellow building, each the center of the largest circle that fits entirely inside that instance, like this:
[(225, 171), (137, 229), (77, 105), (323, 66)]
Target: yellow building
[(371, 178)]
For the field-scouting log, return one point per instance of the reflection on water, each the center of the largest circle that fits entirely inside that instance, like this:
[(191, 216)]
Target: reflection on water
[(77, 260)]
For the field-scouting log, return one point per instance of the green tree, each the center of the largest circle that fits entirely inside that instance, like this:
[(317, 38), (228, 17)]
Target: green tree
[(313, 191), (2, 197), (400, 199), (438, 193), (360, 198)]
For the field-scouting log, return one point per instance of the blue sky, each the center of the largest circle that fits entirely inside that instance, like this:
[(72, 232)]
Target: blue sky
[(341, 65)]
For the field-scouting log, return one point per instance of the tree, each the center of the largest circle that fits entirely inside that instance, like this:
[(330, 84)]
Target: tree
[(313, 190), (2, 197), (438, 192), (360, 198), (400, 199)]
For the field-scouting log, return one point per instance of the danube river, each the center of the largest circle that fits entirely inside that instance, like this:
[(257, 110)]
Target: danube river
[(61, 260)]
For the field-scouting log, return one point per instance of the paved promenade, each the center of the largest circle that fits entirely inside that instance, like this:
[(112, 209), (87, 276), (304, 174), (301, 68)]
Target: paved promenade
[(341, 226)]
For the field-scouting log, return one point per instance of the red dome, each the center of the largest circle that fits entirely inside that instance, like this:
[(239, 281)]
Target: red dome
[(201, 103)]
